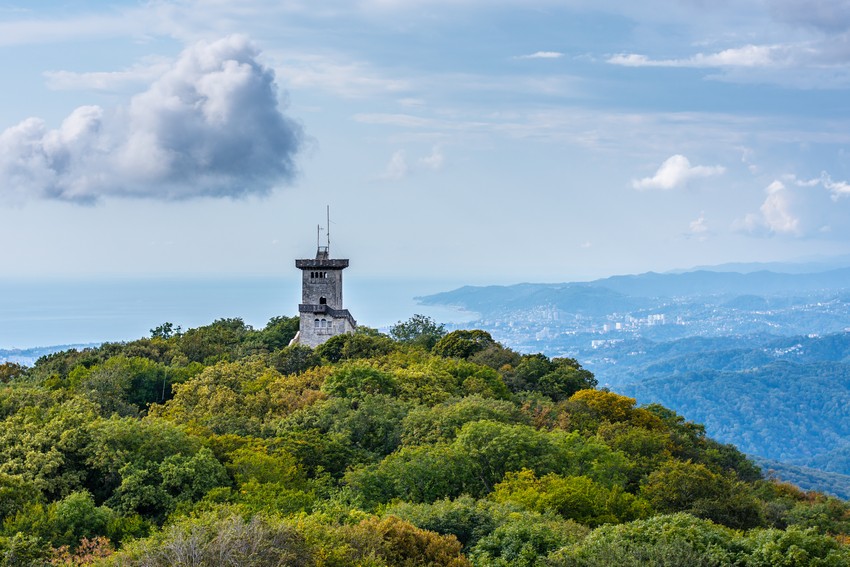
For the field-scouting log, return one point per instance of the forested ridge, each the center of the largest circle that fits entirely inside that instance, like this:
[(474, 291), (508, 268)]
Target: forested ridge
[(221, 445)]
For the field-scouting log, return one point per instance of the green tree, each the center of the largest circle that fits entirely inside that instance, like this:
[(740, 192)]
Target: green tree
[(23, 550), (45, 443), (117, 441), (442, 422), (525, 541), (419, 330), (498, 358), (370, 424), (221, 340), (165, 331), (77, 517), (693, 487), (11, 371), (155, 489), (396, 542), (237, 397), (122, 385), (678, 540), (354, 346), (294, 359), (572, 497), (278, 332), (465, 518), (558, 378), (15, 493), (355, 380), (794, 547), (463, 343)]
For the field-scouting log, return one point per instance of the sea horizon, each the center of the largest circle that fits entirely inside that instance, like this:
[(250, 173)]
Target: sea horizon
[(42, 313)]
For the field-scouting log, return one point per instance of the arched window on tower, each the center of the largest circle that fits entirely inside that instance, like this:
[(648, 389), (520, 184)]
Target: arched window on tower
[(323, 301)]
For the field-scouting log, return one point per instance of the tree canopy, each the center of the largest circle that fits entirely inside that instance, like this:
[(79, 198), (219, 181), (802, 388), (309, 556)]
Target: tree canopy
[(224, 445)]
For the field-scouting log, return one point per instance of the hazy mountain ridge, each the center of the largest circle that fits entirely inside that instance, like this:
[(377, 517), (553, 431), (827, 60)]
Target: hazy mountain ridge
[(806, 477), (636, 291), (761, 358), (781, 410)]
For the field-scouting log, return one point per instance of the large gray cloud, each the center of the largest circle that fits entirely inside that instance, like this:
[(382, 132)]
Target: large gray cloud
[(210, 125)]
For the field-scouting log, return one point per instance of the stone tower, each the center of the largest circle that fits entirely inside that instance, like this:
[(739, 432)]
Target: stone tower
[(321, 312)]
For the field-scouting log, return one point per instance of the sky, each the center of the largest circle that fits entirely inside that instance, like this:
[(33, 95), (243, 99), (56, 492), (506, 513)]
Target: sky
[(472, 141)]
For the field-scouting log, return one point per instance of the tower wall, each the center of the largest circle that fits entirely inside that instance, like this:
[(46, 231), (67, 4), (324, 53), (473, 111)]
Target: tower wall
[(321, 310), (322, 283), (316, 328)]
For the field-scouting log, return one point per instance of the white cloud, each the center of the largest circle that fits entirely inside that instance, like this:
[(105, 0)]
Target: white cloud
[(776, 213), (838, 189), (698, 228), (107, 80), (209, 125), (747, 56), (434, 160), (541, 55), (675, 172), (397, 167), (337, 74), (818, 62), (801, 208)]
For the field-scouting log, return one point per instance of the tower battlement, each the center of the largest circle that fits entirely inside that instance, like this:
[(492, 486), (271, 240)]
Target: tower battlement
[(320, 263)]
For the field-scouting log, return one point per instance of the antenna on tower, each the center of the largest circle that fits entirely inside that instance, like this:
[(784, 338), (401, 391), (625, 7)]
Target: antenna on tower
[(324, 250)]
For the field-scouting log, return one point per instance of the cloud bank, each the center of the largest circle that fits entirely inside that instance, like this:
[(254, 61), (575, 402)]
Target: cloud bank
[(208, 126), (746, 56), (675, 172)]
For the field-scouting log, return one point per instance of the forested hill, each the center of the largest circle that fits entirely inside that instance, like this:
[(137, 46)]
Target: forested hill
[(222, 445)]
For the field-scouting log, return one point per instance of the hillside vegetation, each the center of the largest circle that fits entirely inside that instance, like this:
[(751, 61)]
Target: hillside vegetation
[(222, 445), (783, 399)]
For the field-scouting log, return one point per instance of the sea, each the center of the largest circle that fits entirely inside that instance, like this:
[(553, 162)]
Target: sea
[(68, 312)]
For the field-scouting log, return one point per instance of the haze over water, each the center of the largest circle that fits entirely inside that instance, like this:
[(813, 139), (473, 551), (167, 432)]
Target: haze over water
[(42, 313)]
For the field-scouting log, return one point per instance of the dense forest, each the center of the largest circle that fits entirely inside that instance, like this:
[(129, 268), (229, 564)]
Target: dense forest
[(221, 445), (783, 399)]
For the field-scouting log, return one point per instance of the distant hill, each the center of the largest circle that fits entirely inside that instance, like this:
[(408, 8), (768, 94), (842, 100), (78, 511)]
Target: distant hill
[(706, 282), (802, 266), (762, 358), (787, 401), (807, 478), (630, 292), (28, 356), (578, 298)]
